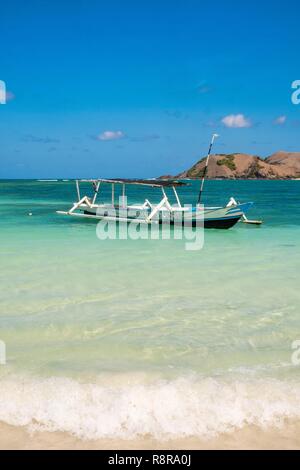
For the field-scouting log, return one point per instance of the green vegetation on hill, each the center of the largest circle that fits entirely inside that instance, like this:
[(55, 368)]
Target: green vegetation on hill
[(228, 161), (195, 173)]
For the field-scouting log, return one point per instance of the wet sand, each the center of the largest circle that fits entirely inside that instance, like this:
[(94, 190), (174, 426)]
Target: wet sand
[(287, 437)]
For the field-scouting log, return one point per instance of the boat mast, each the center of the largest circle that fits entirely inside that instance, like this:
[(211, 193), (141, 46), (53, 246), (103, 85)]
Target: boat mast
[(205, 168)]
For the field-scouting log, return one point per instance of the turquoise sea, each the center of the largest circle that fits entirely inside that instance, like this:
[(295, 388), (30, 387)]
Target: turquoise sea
[(125, 338)]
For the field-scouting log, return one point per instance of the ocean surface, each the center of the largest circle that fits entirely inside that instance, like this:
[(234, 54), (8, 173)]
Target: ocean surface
[(127, 338)]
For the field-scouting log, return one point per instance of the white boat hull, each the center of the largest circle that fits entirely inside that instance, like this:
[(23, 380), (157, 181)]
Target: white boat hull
[(210, 217)]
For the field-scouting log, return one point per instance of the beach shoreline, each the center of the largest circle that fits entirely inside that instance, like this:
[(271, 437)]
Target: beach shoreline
[(286, 437)]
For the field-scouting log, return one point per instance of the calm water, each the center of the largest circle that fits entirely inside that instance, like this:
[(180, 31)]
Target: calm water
[(121, 337)]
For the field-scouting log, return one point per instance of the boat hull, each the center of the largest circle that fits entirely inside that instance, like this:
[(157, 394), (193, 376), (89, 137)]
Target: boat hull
[(215, 218), (221, 223), (225, 223)]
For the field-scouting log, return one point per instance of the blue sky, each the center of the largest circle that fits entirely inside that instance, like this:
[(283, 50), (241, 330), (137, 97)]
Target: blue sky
[(136, 88)]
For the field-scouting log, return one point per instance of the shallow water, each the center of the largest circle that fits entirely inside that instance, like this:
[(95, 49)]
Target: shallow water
[(142, 335)]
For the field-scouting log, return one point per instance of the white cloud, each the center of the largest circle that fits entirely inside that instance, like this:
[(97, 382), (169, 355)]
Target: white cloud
[(236, 120), (203, 87), (111, 135), (280, 120)]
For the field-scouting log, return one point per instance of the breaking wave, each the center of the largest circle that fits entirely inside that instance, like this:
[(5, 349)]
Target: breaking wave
[(128, 409)]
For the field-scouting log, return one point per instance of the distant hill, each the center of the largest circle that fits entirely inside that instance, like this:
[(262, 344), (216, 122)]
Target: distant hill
[(280, 165)]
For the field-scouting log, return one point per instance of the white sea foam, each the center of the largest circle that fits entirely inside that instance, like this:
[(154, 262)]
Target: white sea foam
[(129, 409)]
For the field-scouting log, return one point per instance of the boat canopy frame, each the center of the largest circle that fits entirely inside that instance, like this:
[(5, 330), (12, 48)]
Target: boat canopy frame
[(150, 182), (162, 184)]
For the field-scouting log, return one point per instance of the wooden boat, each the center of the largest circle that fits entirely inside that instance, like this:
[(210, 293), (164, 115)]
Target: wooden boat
[(147, 212)]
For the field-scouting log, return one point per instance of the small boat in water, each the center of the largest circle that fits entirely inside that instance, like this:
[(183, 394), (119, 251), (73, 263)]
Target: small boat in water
[(147, 212)]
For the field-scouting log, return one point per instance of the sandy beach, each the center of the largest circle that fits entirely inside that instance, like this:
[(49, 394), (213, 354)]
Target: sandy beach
[(287, 437)]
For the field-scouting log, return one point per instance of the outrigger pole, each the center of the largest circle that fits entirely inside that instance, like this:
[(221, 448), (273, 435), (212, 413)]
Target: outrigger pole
[(205, 168)]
